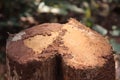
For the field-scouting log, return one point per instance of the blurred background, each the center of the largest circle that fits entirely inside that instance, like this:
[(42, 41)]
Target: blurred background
[(100, 15)]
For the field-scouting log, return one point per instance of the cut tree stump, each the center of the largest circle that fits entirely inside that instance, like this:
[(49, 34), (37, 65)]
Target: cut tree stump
[(53, 51)]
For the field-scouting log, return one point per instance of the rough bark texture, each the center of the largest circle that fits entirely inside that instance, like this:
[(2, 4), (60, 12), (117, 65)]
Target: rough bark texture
[(53, 51), (35, 70), (97, 73)]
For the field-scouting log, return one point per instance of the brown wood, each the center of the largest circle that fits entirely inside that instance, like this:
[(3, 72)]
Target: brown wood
[(34, 70), (53, 51)]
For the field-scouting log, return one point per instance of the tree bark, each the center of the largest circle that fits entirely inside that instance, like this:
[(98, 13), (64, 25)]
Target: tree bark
[(107, 72), (35, 70)]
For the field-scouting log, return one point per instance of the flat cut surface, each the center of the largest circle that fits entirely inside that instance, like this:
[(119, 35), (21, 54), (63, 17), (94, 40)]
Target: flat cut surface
[(83, 46), (28, 44), (39, 42)]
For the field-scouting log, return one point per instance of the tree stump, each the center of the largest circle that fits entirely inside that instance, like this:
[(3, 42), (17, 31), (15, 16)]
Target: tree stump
[(53, 51)]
